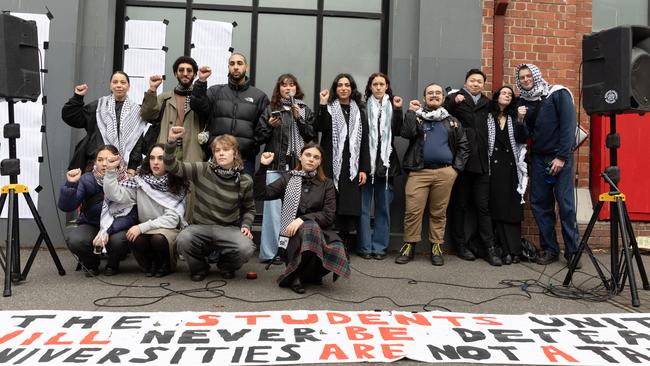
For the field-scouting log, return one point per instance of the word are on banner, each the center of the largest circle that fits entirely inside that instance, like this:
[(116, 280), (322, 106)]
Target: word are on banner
[(294, 337)]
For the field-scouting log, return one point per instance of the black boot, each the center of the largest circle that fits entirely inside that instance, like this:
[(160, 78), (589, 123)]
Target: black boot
[(492, 257), (464, 253)]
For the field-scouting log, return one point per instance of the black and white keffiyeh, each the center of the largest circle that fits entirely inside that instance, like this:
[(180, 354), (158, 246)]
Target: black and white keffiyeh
[(224, 173), (130, 129), (435, 115), (184, 92), (380, 117), (157, 188), (296, 142), (340, 133), (518, 150), (540, 86), (292, 198)]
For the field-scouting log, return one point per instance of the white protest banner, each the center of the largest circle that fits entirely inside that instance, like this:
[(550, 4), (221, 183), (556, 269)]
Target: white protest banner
[(295, 337)]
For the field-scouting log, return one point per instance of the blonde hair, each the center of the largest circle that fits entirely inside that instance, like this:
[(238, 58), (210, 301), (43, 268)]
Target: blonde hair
[(230, 141)]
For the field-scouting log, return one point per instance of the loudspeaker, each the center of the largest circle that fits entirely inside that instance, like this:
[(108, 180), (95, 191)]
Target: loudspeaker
[(19, 68), (616, 70)]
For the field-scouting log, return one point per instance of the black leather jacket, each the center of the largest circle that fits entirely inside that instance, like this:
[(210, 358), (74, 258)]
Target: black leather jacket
[(278, 141), (413, 131)]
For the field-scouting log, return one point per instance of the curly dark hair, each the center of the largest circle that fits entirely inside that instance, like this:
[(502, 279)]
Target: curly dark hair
[(355, 95), (276, 103), (176, 184)]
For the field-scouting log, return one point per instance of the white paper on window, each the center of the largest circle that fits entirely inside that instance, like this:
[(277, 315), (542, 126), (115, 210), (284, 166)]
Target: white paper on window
[(145, 34), (212, 41)]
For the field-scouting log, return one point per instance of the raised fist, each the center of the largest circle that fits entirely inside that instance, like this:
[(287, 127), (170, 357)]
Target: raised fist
[(175, 133), (73, 175), (154, 82), (113, 162), (414, 105), (204, 73), (521, 112), (81, 89), (397, 102), (266, 158), (459, 98), (324, 96)]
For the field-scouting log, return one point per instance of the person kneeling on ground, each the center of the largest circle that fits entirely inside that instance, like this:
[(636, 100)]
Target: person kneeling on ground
[(223, 211), (102, 224), (160, 198), (313, 249)]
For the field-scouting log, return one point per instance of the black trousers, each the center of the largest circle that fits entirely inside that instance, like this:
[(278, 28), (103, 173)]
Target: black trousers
[(471, 187), (151, 251), (79, 239), (509, 237)]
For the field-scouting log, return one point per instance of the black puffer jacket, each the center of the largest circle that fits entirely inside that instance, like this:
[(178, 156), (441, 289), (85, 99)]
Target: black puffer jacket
[(473, 117), (413, 131), (278, 141), (238, 110)]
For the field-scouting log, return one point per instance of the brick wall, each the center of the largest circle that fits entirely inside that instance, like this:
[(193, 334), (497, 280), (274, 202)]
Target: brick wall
[(549, 34)]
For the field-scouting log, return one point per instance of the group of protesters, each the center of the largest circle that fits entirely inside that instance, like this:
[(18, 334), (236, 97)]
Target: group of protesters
[(174, 177)]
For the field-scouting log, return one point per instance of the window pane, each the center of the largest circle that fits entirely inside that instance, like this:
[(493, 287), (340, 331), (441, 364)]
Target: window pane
[(370, 6), (286, 44), (241, 34), (351, 46), (612, 13), (167, 1), (174, 39), (303, 4), (224, 2)]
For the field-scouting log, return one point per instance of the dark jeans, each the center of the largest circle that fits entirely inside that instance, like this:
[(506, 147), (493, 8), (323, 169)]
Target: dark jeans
[(79, 239), (471, 187), (543, 197)]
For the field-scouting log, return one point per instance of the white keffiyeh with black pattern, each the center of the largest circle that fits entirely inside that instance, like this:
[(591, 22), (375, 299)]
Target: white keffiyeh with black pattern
[(131, 125), (340, 133)]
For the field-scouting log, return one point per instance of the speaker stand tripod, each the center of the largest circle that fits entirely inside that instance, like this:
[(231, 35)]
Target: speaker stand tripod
[(10, 258), (622, 271)]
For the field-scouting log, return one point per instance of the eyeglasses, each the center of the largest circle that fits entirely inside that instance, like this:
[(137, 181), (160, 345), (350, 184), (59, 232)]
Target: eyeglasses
[(185, 69)]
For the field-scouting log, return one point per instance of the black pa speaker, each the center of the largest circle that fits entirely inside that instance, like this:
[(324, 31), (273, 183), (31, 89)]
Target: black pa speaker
[(616, 70), (19, 68)]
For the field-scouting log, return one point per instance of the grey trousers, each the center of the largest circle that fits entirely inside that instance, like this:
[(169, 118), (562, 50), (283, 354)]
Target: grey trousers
[(195, 242)]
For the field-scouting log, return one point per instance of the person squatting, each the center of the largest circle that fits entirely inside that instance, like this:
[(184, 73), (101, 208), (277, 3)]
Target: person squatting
[(173, 176)]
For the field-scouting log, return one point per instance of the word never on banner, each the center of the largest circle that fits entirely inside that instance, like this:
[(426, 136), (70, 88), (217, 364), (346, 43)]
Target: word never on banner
[(294, 337)]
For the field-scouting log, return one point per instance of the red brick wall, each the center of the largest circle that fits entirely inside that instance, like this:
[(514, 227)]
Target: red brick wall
[(549, 34)]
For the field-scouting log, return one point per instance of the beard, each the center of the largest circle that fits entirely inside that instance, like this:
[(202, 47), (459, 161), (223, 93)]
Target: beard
[(241, 77), (186, 85)]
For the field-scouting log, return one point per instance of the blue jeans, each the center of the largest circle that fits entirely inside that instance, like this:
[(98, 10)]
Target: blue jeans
[(383, 194), (542, 201), (270, 221)]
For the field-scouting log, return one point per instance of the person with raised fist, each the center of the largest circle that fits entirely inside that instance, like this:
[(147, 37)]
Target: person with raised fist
[(385, 117), (436, 154), (113, 119), (160, 198), (291, 126), (102, 224), (173, 108), (341, 118), (224, 207), (236, 108), (309, 246)]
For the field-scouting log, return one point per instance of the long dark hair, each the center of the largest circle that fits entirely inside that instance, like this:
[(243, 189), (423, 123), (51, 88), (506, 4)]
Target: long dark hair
[(371, 78), (276, 102), (320, 173), (355, 95), (494, 104), (176, 184)]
